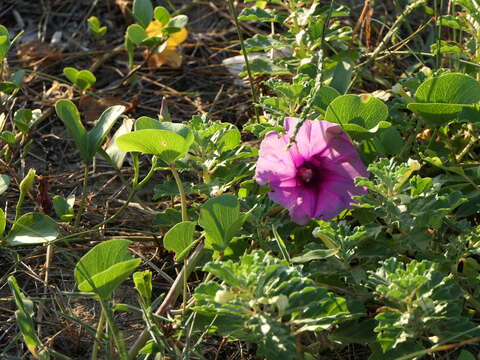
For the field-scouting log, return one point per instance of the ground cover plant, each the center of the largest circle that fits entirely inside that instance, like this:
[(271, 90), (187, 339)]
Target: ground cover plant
[(257, 179)]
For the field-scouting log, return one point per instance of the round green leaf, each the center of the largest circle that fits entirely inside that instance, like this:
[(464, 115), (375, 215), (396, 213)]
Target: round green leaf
[(360, 116), (161, 14), (167, 145), (443, 98), (136, 34)]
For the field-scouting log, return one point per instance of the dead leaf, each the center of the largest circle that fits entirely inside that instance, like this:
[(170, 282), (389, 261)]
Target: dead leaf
[(168, 57), (91, 108), (124, 5), (36, 52)]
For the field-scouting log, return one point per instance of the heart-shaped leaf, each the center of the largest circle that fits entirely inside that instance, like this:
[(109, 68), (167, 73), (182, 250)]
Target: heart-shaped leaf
[(32, 228), (443, 98), (360, 116), (221, 219), (105, 267), (179, 239), (167, 145), (83, 79)]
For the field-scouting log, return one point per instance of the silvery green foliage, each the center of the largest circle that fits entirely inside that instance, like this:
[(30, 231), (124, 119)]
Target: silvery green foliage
[(264, 300), (421, 302)]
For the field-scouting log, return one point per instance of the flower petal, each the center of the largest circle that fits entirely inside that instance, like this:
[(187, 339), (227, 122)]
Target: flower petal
[(277, 165)]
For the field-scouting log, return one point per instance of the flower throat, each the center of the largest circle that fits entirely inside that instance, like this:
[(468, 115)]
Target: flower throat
[(308, 174)]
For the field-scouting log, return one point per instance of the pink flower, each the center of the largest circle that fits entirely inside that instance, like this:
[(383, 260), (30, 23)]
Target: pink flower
[(314, 178)]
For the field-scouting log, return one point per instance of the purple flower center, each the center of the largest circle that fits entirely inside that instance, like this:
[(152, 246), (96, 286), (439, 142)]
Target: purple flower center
[(308, 174)]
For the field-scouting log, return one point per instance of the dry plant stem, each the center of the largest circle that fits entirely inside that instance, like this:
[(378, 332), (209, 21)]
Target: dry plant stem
[(41, 309), (84, 197), (247, 63), (96, 341), (171, 297)]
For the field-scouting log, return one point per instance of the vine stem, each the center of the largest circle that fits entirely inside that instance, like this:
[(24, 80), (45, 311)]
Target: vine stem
[(233, 11), (84, 196)]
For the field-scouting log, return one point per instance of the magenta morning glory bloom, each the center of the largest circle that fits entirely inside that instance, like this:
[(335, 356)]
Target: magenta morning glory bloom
[(314, 178)]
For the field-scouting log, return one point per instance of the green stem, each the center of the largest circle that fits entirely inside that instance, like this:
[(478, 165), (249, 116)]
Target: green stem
[(96, 341), (18, 208), (113, 330), (84, 196), (233, 10), (181, 190)]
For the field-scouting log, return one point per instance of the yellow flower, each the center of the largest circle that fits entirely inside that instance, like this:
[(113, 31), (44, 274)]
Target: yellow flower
[(175, 39)]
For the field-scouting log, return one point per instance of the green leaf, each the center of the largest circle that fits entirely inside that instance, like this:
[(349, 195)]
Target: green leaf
[(105, 122), (115, 155), (180, 238), (360, 116), (105, 267), (143, 12), (176, 24), (7, 87), (145, 122), (24, 316), (27, 182), (143, 284), (4, 42), (4, 182), (318, 254), (3, 222), (324, 97), (221, 219), (161, 14), (167, 145), (83, 79), (342, 75), (22, 119), (32, 228), (68, 113), (136, 34), (443, 98), (8, 137), (63, 207)]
